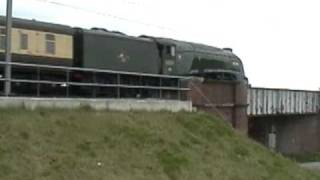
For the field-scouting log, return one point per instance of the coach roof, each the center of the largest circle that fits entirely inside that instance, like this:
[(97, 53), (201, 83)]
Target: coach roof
[(38, 25)]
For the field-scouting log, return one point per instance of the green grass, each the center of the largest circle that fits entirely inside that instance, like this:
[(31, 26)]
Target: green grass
[(84, 144)]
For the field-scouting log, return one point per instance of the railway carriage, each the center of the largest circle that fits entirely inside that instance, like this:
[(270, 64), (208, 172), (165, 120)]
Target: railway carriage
[(38, 42)]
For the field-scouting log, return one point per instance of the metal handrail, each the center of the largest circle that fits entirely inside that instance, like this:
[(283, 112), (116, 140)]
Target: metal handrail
[(120, 75), (96, 84), (68, 68)]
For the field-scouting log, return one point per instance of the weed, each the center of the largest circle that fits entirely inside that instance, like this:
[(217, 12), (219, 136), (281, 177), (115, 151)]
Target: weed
[(172, 163)]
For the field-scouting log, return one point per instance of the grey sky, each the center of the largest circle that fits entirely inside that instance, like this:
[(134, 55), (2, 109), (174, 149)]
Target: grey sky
[(277, 40)]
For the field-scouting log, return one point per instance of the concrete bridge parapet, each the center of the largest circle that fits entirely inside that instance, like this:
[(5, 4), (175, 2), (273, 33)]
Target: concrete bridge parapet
[(98, 104)]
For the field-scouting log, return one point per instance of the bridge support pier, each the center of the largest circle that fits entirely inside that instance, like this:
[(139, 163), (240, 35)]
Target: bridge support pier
[(293, 134), (223, 98)]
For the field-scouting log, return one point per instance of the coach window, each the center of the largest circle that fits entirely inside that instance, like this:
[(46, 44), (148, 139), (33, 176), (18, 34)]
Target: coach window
[(2, 38), (50, 44), (23, 41)]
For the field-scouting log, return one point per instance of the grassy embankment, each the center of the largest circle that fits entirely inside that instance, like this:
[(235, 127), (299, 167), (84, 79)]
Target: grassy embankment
[(304, 158), (101, 145)]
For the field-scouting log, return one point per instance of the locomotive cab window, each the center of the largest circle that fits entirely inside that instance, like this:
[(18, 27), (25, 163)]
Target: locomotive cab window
[(50, 44), (2, 38), (171, 51), (23, 41)]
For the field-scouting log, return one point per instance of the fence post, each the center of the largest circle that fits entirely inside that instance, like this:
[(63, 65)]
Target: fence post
[(140, 84), (118, 85), (94, 90), (67, 82), (160, 84), (38, 79), (179, 89)]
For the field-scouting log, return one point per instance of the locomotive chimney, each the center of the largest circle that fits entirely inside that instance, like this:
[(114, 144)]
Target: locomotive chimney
[(228, 49)]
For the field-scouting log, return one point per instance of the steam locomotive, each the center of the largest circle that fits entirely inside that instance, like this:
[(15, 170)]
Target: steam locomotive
[(60, 45)]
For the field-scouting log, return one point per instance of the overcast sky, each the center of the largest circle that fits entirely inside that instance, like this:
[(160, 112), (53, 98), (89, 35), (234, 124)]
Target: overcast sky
[(277, 40)]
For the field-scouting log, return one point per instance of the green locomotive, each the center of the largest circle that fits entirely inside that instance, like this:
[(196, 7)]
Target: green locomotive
[(53, 44)]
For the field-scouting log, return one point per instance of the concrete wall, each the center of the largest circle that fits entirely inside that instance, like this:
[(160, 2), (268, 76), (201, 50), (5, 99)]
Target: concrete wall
[(294, 134), (99, 104)]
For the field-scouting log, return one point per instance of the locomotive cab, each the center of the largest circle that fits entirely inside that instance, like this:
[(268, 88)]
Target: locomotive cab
[(168, 56), (192, 59)]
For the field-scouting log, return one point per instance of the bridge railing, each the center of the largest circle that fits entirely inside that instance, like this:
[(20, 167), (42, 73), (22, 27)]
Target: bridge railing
[(58, 81), (264, 101)]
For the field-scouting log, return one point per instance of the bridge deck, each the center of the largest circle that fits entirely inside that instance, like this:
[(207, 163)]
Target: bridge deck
[(263, 101)]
